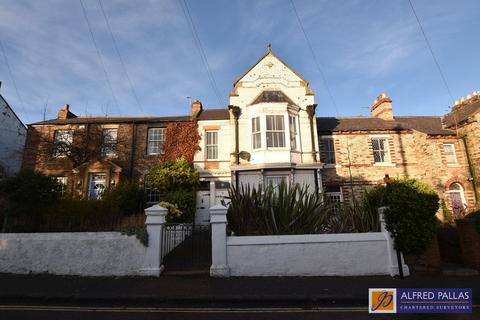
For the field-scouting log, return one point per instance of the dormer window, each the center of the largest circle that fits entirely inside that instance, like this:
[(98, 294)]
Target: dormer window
[(275, 131)]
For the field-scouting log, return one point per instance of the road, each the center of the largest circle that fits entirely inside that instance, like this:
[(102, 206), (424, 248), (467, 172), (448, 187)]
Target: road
[(8, 312)]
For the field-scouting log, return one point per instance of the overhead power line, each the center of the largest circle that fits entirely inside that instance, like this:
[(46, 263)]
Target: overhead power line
[(317, 63), (201, 51), (132, 88), (432, 53), (14, 82), (100, 56)]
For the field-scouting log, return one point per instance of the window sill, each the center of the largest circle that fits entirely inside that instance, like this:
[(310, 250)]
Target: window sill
[(384, 164), (453, 165)]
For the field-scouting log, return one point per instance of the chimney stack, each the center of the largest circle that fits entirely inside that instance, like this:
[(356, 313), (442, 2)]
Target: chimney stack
[(382, 107), (196, 108), (65, 113)]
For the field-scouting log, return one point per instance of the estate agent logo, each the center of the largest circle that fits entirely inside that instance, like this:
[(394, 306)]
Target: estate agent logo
[(382, 300), (420, 300)]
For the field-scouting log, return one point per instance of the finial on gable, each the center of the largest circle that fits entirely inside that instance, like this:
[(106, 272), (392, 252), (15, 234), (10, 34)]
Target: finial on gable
[(269, 47)]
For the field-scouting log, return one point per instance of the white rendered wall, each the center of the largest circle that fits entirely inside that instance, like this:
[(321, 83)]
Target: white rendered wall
[(309, 255), (12, 139), (272, 74), (82, 253)]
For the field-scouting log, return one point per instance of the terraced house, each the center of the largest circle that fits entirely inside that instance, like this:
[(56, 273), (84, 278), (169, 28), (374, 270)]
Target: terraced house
[(269, 133)]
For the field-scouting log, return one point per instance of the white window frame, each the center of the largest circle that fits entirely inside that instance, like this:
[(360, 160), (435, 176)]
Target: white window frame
[(256, 133), (277, 132), (155, 140), (152, 194), (109, 142), (333, 195), (65, 137), (328, 152), (292, 122), (386, 157), (453, 153), (211, 147)]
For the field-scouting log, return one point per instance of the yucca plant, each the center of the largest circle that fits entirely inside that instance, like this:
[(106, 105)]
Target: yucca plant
[(276, 210)]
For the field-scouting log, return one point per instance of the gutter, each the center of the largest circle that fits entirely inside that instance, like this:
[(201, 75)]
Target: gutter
[(311, 115), (470, 168)]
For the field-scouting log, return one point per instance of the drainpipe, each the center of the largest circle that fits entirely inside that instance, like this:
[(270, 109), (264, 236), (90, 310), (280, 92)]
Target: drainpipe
[(236, 114), (311, 114), (470, 168)]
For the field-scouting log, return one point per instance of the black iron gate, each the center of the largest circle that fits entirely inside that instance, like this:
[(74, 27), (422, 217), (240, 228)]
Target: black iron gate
[(186, 247)]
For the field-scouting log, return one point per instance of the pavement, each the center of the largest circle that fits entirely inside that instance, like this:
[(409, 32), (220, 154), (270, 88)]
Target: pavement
[(203, 290)]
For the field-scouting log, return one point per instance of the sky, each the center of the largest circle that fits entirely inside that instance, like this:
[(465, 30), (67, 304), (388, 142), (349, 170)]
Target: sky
[(363, 48)]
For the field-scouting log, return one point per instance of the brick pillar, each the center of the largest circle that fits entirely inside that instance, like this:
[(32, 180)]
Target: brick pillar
[(155, 221)]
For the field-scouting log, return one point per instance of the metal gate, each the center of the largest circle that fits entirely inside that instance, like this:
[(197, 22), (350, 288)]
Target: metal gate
[(186, 247)]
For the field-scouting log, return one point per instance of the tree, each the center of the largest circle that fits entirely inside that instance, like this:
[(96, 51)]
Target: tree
[(411, 214), (173, 174), (27, 194)]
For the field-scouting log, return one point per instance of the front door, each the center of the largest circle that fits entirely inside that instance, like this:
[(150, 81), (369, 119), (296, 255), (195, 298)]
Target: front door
[(202, 215), (96, 186)]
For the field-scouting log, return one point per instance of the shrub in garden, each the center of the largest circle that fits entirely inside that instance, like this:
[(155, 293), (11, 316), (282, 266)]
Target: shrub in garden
[(410, 217), (128, 196), (185, 201), (276, 210), (26, 195)]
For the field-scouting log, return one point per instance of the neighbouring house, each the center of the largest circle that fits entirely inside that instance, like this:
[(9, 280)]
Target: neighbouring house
[(12, 139), (269, 133)]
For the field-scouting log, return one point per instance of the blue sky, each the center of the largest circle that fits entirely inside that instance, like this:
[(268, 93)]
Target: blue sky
[(364, 47)]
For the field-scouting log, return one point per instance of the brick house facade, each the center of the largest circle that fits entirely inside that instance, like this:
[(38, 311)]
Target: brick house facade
[(269, 134)]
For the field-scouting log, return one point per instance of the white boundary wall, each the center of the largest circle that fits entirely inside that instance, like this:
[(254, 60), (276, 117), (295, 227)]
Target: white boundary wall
[(85, 253), (347, 254), (77, 253)]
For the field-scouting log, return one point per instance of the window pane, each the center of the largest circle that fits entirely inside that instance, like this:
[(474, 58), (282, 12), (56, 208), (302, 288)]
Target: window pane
[(109, 142), (328, 150), (156, 139), (63, 140), (211, 144), (380, 151), (450, 156), (293, 132), (275, 132)]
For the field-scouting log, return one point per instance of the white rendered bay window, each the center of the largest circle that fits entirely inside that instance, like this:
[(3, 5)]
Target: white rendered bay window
[(256, 133)]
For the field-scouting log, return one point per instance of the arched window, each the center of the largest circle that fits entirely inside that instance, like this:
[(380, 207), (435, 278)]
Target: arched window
[(457, 199)]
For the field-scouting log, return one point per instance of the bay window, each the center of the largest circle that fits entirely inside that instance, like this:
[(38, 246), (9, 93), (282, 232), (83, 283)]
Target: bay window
[(292, 120)]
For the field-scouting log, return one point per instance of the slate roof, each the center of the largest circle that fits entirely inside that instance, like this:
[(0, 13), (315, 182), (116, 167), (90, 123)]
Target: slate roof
[(214, 114), (206, 114), (272, 96), (461, 114), (431, 125)]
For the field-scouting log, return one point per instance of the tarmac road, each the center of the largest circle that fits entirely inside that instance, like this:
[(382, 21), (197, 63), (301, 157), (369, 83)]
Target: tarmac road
[(49, 312)]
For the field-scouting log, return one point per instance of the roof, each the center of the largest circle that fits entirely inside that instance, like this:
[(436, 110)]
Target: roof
[(84, 120), (206, 114), (272, 96), (10, 108), (269, 53), (461, 114), (431, 125), (214, 114)]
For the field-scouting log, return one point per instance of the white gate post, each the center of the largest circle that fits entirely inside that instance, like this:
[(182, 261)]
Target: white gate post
[(392, 253), (218, 220), (155, 221)]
